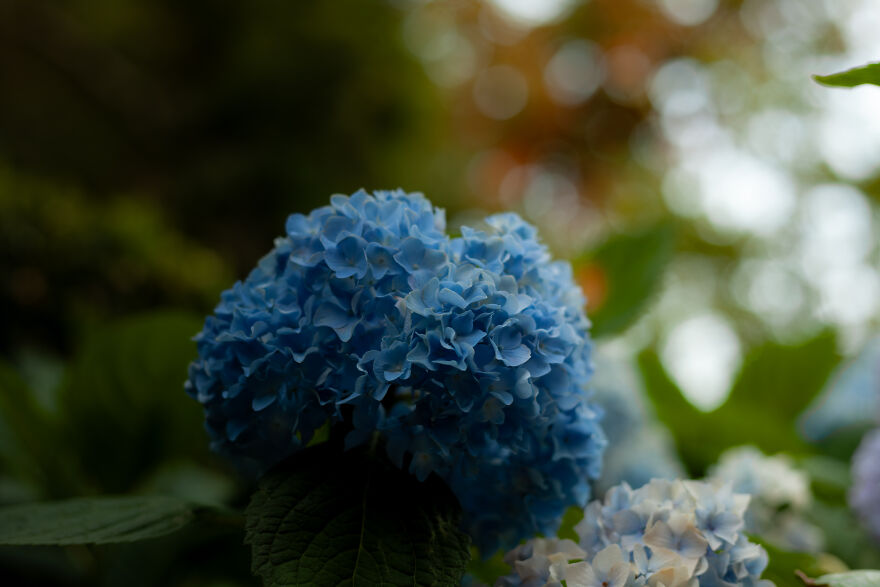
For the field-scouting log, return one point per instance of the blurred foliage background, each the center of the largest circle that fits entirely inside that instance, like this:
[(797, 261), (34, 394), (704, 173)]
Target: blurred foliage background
[(721, 211)]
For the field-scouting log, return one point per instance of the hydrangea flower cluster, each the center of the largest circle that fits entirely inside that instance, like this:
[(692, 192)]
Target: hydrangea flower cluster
[(468, 355), (780, 496), (864, 494), (667, 533), (640, 448)]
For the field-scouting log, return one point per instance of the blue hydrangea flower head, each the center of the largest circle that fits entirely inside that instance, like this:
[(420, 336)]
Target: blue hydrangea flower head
[(468, 356), (681, 533), (864, 495)]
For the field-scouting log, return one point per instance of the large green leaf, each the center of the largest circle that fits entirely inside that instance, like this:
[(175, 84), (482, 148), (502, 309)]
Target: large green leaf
[(844, 536), (102, 520), (697, 442), (829, 478), (773, 387), (332, 518), (783, 565), (850, 579), (123, 402), (784, 379), (632, 267), (866, 74)]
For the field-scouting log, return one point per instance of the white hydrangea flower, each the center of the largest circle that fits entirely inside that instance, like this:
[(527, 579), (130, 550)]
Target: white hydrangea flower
[(542, 561), (773, 480), (609, 568), (780, 496), (665, 534)]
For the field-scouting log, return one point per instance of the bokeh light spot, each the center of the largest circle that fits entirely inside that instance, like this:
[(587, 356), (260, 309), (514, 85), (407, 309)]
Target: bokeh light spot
[(531, 13), (702, 354), (575, 72), (501, 92), (688, 12)]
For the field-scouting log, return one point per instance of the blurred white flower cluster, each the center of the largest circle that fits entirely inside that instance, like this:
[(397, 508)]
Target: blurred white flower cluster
[(666, 534), (780, 496)]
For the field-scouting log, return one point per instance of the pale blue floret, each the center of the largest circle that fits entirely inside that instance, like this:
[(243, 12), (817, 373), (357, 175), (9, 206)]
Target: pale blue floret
[(348, 257), (469, 356)]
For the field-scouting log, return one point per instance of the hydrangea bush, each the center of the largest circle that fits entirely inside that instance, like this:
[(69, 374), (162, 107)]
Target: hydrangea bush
[(780, 496), (468, 356), (864, 494), (671, 533)]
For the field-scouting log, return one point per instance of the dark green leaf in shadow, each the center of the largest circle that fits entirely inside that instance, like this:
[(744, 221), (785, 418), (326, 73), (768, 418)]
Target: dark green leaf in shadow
[(842, 443), (331, 518), (123, 401), (866, 74), (190, 481), (29, 450), (100, 520)]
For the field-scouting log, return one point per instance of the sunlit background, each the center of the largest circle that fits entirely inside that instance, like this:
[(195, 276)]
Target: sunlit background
[(603, 116)]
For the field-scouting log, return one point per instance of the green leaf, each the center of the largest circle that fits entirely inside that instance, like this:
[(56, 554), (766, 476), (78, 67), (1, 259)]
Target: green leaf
[(487, 571), (866, 74), (688, 425), (773, 387), (783, 564), (631, 268), (21, 423), (829, 478), (101, 520), (190, 481), (571, 518), (124, 407), (29, 449), (844, 536), (784, 379), (850, 579), (328, 517), (843, 442)]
